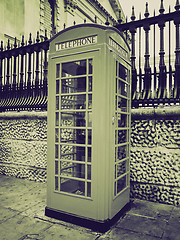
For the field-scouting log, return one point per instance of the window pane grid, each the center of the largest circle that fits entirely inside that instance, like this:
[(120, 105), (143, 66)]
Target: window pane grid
[(73, 132), (122, 104)]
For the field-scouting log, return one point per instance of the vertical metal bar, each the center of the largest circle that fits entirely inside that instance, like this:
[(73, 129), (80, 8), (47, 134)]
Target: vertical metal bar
[(154, 43), (140, 72), (170, 67), (177, 53)]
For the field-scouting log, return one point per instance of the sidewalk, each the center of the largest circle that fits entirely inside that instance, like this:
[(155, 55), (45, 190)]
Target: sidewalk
[(22, 205)]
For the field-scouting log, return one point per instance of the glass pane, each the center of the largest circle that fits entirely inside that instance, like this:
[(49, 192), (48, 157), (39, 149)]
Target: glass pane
[(89, 154), (74, 68), (73, 85), (90, 84), (73, 102), (123, 88), (121, 184), (56, 184), (122, 136), (122, 120), (57, 119), (57, 102), (73, 119), (115, 188), (73, 135), (122, 104), (89, 136), (122, 72), (121, 168), (56, 151), (73, 153), (57, 86), (88, 189), (56, 135), (122, 152), (71, 169), (56, 167), (57, 70), (73, 186), (89, 172), (89, 124), (90, 101), (90, 61)]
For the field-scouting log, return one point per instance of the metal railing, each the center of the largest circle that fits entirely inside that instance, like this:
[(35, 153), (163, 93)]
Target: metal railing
[(23, 68), (23, 75), (154, 85)]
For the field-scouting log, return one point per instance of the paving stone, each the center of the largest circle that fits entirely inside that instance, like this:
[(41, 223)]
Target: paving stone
[(19, 226), (151, 209), (6, 213), (140, 224), (64, 233), (123, 234)]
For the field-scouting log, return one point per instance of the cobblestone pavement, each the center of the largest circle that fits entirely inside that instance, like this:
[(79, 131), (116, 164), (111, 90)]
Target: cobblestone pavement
[(22, 205)]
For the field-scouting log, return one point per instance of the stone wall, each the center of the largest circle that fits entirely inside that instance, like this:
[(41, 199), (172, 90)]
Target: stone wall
[(155, 151), (23, 145), (155, 155)]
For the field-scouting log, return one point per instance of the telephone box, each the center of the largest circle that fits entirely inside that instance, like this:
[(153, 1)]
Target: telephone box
[(88, 175)]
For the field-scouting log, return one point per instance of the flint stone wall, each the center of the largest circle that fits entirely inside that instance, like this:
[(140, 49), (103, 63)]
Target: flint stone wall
[(23, 145), (155, 155), (155, 151)]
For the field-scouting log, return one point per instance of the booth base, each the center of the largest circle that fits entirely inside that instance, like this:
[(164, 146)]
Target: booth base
[(95, 225)]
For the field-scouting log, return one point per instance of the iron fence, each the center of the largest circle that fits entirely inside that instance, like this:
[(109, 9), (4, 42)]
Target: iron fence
[(24, 67)]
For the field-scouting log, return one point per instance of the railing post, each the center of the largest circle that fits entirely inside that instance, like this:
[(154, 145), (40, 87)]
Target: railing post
[(29, 63), (177, 52), (162, 67), (133, 58), (37, 66), (1, 66), (22, 66), (14, 68), (147, 69)]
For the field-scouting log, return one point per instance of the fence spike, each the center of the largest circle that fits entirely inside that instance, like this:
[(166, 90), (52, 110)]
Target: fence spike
[(45, 36), (161, 10), (177, 7), (107, 21), (84, 20), (8, 45), (22, 42), (15, 43), (1, 48), (37, 39), (146, 14), (30, 39), (120, 18), (154, 12), (95, 19), (139, 16), (64, 25), (133, 17), (74, 22)]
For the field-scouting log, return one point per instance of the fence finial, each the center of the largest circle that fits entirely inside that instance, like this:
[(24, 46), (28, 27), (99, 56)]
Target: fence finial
[(161, 10), (74, 22), (146, 14), (64, 25), (133, 17), (84, 20), (15, 43), (95, 19), (8, 45), (120, 18), (22, 41), (107, 21), (37, 38), (45, 35), (1, 48), (177, 7), (30, 39)]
